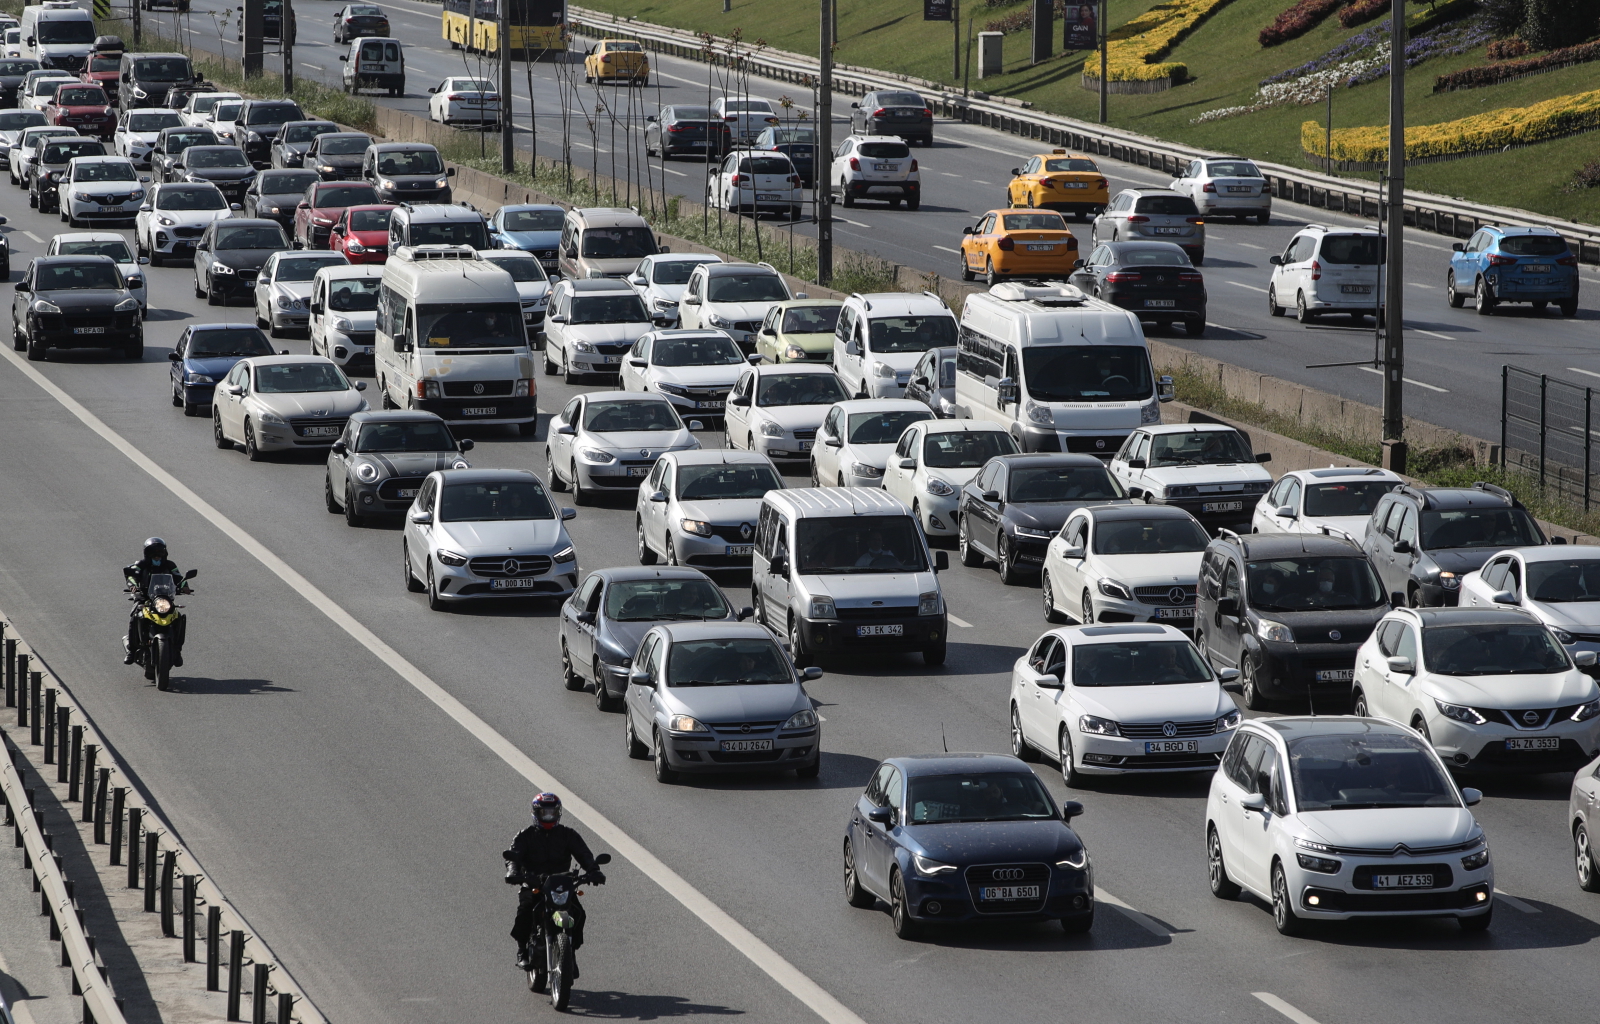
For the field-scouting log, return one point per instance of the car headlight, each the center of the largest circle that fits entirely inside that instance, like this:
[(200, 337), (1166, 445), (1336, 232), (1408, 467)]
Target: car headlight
[(662, 305), (1449, 580), (928, 604), (83, 197), (134, 281), (862, 469), (199, 378), (166, 222), (1077, 860), (566, 554), (273, 418), (441, 183), (1586, 711), (450, 557), (1028, 531), (341, 324), (794, 352), (46, 307), (322, 222), (386, 184), (284, 302), (822, 608), (1229, 721), (806, 719), (583, 346), (325, 168), (930, 868), (1564, 636), (366, 472), (1276, 632), (221, 268), (882, 370), (1477, 859), (596, 455), (354, 246), (1150, 413), (771, 429), (140, 93), (1116, 589), (696, 527), (1459, 712), (1040, 414), (128, 305), (671, 389), (1098, 726), (522, 388), (685, 723), (719, 322), (596, 272), (939, 487), (1322, 865)]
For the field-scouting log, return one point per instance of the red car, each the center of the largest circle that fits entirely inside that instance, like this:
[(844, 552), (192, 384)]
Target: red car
[(84, 107), (362, 234), (324, 203), (102, 70)]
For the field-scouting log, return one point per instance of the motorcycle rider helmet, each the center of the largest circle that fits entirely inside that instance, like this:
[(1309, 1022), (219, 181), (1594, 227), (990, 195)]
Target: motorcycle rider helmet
[(547, 810), (155, 550)]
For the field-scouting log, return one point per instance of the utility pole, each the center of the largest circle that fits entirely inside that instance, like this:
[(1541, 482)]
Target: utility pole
[(286, 46), (252, 38), (1394, 347), (138, 26), (507, 107), (825, 148), (955, 23), (1102, 20)]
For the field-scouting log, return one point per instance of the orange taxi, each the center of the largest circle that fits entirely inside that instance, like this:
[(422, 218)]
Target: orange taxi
[(614, 60), (1059, 180), (1007, 244)]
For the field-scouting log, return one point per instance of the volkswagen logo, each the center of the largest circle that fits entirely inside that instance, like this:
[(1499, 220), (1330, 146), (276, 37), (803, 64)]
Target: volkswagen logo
[(1334, 634), (1177, 595), (1099, 442), (1169, 729), (746, 530), (510, 566), (1006, 874), (477, 389), (644, 453), (745, 727), (1531, 717)]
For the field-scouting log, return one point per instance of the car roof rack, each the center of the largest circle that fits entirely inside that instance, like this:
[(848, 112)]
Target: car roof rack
[(1418, 493), (1488, 488)]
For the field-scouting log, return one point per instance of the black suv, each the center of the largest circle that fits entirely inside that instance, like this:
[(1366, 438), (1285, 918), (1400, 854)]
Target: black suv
[(893, 112), (75, 302), (1289, 612), (1422, 540), (258, 124)]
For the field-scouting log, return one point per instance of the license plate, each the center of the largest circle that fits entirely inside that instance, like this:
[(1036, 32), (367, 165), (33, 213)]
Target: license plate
[(770, 197), (118, 209), (741, 746), (1222, 506), (884, 167), (511, 584), (406, 492), (1336, 675), (1175, 613), (480, 410), (88, 330), (1537, 268), (1240, 188), (320, 431), (710, 405), (1159, 303), (1534, 743), (1041, 248), (893, 630), (1402, 881), (1169, 231), (1356, 289), (1172, 747), (1009, 892), (695, 145), (805, 446), (739, 550), (611, 360), (640, 471), (1074, 184)]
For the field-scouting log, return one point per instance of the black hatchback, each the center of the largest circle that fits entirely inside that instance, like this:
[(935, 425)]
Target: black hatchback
[(902, 114), (686, 131), (1153, 280), (1016, 503)]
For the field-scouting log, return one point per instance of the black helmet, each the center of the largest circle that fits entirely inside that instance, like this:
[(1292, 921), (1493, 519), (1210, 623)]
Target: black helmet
[(155, 550), (547, 810)]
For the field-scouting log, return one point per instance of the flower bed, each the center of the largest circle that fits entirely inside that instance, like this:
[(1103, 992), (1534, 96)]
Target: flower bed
[(1298, 20), (1364, 148), (1306, 89), (1134, 50), (1505, 71), (1507, 49), (1362, 11)]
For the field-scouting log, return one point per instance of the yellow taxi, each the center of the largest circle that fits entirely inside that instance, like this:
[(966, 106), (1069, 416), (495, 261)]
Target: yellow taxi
[(1059, 180), (611, 60), (1007, 244)]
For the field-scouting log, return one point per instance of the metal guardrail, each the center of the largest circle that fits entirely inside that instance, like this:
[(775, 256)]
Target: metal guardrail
[(1443, 215), (1547, 426)]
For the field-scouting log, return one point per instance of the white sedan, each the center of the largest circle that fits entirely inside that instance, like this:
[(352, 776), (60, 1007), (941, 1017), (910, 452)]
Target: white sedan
[(472, 101), (280, 403), (221, 120), (609, 440), (137, 130), (660, 280), (1129, 563), (1557, 583), (1229, 186), (694, 370), (283, 289), (934, 460), (98, 188), (755, 180), (700, 508), (858, 436), (1333, 500), (1113, 700), (196, 112), (533, 286), (173, 218), (776, 409)]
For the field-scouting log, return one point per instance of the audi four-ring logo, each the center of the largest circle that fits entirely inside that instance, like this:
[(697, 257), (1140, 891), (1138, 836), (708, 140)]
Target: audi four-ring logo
[(1169, 729), (1007, 874)]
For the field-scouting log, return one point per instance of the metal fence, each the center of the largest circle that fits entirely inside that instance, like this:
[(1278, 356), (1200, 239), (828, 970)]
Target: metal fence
[(1547, 428)]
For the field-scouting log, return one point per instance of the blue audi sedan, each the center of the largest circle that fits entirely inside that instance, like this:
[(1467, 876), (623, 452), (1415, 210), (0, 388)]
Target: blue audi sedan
[(531, 227), (203, 356), (961, 838)]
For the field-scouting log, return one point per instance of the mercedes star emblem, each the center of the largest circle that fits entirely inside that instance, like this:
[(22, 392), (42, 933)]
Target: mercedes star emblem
[(1177, 595), (510, 566), (1334, 634), (1169, 729)]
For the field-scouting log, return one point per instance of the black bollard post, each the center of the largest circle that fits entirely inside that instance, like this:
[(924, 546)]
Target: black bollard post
[(169, 867), (213, 949), (48, 724), (133, 846), (75, 774), (118, 797), (90, 753), (188, 919), (235, 973), (285, 1008), (63, 721), (11, 673), (258, 995), (151, 848), (17, 675), (100, 806), (35, 699)]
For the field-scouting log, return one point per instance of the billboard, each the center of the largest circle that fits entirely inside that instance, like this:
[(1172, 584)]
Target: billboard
[(1078, 27), (936, 10)]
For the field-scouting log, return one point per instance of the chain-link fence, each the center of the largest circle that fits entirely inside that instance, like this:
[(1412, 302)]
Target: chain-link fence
[(1547, 429)]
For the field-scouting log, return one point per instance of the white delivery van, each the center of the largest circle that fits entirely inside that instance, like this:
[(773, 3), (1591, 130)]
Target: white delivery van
[(449, 338), (1062, 372), (58, 34)]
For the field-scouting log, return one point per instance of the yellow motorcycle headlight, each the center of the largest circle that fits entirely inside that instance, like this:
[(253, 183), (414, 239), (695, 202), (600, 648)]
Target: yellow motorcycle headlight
[(162, 606)]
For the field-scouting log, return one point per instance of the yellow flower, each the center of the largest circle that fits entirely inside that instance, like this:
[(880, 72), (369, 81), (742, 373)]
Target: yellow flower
[(1480, 133), (1132, 48)]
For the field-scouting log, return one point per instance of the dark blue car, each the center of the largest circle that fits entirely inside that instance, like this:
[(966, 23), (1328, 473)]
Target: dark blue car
[(952, 838), (1501, 264), (532, 227), (203, 356)]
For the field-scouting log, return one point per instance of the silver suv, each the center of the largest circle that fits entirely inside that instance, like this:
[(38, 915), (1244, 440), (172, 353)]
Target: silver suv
[(1157, 214)]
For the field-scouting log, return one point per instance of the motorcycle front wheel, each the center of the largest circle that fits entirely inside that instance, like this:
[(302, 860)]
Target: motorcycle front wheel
[(562, 965), (163, 663)]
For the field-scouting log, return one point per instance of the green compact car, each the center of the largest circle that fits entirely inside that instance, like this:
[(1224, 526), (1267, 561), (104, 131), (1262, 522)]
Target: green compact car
[(799, 331)]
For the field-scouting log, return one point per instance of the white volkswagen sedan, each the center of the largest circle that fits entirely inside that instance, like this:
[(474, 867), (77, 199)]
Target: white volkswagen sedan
[(283, 289), (934, 459), (1558, 584), (1334, 818), (700, 508), (858, 436), (1120, 699), (694, 370), (1334, 500), (1124, 563), (610, 440), (777, 409), (279, 403)]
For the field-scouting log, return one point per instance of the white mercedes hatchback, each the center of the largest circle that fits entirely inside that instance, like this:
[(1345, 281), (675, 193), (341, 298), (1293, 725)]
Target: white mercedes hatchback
[(1559, 584), (934, 459)]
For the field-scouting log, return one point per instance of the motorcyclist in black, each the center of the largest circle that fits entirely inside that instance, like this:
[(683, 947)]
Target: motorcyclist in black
[(547, 847), (138, 575)]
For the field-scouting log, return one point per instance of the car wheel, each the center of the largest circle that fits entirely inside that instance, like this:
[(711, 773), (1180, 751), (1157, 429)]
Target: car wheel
[(1583, 854), (970, 556), (327, 496), (434, 604), (1247, 683), (846, 200), (1195, 328), (265, 325), (1069, 769), (672, 553), (603, 701), (1283, 914), (636, 750), (1539, 306), (1301, 313), (966, 271), (1483, 299), (1414, 596), (413, 585), (217, 435), (352, 517), (1421, 728), (1020, 747), (199, 292), (990, 278), (212, 298), (1451, 295), (1222, 887), (569, 675), (1568, 307), (935, 655), (1085, 609), (664, 772), (250, 449), (854, 893), (904, 926), (1263, 218), (1006, 560), (1273, 309), (1047, 596), (799, 651), (1358, 707), (647, 555)]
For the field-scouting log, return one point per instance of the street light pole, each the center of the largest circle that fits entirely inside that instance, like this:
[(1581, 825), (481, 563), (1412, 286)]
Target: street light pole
[(825, 148), (1102, 61), (507, 107), (1394, 362)]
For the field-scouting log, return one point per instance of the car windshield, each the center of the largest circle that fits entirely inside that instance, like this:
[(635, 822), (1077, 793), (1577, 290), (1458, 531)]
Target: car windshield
[(1478, 528), (117, 249), (1166, 206), (177, 142), (16, 120), (276, 113), (57, 277), (61, 152), (407, 436), (523, 270), (911, 333), (747, 106), (1564, 581), (66, 31), (445, 232), (1138, 663), (1148, 536), (883, 427), (49, 84), (1493, 649), (254, 236), (1151, 256), (885, 150), (713, 483), (410, 161), (1062, 483), (1353, 498), (1352, 249), (494, 501), (162, 69), (299, 378), (304, 268), (228, 341), (746, 288), (673, 271), (307, 132), (205, 104), (625, 417), (12, 68), (664, 601), (359, 295), (1034, 222), (346, 195), (766, 165), (793, 136), (607, 309), (282, 183), (811, 319), (859, 544), (491, 325), (181, 199), (152, 122), (706, 350), (1232, 169), (1365, 770), (1533, 245), (369, 220), (964, 449), (104, 171), (226, 110), (1199, 448), (619, 243), (1087, 373), (980, 796), (798, 389), (742, 662), (1309, 584), (344, 145), (81, 98), (101, 65), (534, 220), (362, 11), (215, 156)]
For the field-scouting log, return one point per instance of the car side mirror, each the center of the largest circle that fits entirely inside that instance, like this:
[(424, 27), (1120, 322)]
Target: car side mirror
[(1046, 681), (568, 514), (990, 496), (921, 382), (1263, 456), (1073, 553), (658, 496), (422, 518), (1505, 597), (432, 90), (303, 205), (1401, 665), (1228, 606), (235, 207), (586, 617), (1397, 600), (810, 674), (744, 613), (1015, 171), (967, 231), (1286, 512), (941, 561), (1402, 547), (754, 359), (339, 448), (1558, 540), (346, 56), (1137, 463), (908, 463), (779, 566), (651, 118), (173, 357), (1253, 802), (853, 106), (145, 208), (1458, 247), (696, 425), (1275, 260), (740, 400), (568, 429), (1070, 809), (851, 348), (881, 815), (466, 444), (639, 677), (1584, 659), (638, 362), (1471, 797), (449, 172), (1079, 264), (22, 286), (316, 308), (833, 442), (556, 318), (1229, 678)]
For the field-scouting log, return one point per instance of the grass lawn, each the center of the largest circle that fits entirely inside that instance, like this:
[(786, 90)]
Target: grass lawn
[(1226, 64)]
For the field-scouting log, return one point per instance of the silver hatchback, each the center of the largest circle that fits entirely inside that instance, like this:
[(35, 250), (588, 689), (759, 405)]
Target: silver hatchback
[(1155, 214)]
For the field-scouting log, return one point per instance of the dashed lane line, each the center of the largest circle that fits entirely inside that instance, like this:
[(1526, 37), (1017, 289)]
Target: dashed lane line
[(943, 248), (1285, 1008), (33, 236), (963, 623), (1142, 920), (1408, 380), (1254, 288)]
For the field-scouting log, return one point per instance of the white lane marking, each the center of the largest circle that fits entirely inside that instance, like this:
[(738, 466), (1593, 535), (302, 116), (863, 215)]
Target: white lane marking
[(671, 171), (818, 999), (314, 67), (1252, 287), (947, 174), (1512, 901), (857, 223), (1133, 915), (1408, 380), (979, 181), (1247, 245), (1284, 1008), (33, 236), (963, 623), (1591, 373), (943, 248), (1431, 334)]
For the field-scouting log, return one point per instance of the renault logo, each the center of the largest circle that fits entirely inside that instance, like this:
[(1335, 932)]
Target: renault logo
[(1177, 595), (1334, 634), (644, 453), (510, 566), (1006, 874), (746, 530), (1169, 729), (1531, 717), (477, 389)]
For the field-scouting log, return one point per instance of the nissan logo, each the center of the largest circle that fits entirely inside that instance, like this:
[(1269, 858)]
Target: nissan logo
[(477, 389), (1006, 874), (1177, 595), (510, 565), (1334, 634), (1169, 729), (1531, 717)]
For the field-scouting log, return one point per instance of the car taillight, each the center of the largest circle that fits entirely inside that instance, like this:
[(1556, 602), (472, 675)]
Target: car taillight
[(1137, 219), (605, 58), (1500, 261), (1102, 184), (794, 179), (738, 179), (927, 112), (1190, 277), (1208, 187), (1316, 270), (1123, 276), (913, 163), (1195, 220), (1568, 261), (731, 117), (677, 127), (880, 112), (1047, 183), (1007, 243), (855, 165), (453, 96)]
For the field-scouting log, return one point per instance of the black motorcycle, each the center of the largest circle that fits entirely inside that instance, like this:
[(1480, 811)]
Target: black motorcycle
[(158, 613), (550, 945)]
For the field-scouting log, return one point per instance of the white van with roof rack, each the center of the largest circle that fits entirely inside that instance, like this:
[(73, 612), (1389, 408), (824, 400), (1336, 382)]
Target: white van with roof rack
[(450, 338), (1062, 371)]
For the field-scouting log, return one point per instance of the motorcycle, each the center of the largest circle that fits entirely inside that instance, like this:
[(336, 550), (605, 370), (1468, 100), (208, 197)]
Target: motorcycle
[(550, 945), (158, 611)]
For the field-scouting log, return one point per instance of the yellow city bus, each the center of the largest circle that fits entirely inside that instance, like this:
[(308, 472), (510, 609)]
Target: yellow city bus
[(536, 25)]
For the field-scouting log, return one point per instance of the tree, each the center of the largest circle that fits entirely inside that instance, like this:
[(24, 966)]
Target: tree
[(1551, 24), (1504, 17)]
